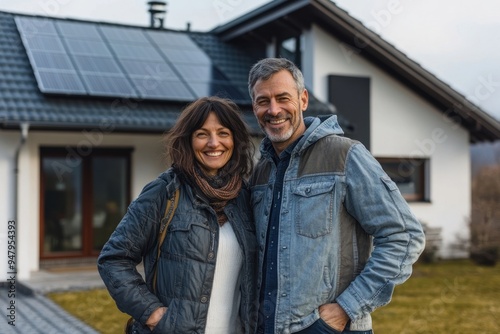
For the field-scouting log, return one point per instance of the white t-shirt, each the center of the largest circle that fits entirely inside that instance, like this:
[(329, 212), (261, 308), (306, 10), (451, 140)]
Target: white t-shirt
[(226, 295)]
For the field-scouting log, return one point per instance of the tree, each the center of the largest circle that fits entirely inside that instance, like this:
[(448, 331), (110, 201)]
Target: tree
[(485, 216)]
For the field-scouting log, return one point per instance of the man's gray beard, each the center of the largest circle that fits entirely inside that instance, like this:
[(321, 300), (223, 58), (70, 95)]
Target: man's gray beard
[(281, 137)]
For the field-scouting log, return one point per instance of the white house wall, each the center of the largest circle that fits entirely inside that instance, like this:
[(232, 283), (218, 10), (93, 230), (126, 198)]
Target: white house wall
[(146, 164), (403, 125), (8, 143)]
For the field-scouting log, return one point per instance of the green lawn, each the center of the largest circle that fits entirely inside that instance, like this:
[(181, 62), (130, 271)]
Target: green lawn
[(446, 297), (94, 307)]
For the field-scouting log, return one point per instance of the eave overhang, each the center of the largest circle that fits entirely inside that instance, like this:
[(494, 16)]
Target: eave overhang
[(285, 18)]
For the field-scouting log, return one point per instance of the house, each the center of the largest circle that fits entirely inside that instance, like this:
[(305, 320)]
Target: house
[(83, 106)]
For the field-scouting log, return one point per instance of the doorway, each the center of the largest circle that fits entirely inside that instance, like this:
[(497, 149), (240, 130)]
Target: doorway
[(82, 199)]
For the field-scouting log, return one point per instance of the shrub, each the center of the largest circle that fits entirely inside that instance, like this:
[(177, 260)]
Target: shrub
[(485, 216), (432, 243), (485, 256)]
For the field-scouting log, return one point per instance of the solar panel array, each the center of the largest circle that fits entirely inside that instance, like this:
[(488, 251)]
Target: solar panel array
[(79, 58)]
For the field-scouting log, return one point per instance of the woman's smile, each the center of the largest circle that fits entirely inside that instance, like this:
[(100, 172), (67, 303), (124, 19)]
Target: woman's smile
[(212, 145)]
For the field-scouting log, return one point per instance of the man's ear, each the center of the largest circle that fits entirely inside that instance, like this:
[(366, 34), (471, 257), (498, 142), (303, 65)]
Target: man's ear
[(304, 99)]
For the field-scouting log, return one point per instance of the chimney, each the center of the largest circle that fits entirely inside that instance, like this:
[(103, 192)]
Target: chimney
[(157, 10)]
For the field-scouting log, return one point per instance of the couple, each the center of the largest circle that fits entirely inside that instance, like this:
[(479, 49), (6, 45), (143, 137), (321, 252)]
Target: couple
[(313, 244)]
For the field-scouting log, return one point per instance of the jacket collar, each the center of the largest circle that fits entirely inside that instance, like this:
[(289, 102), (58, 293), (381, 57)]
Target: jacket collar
[(316, 128)]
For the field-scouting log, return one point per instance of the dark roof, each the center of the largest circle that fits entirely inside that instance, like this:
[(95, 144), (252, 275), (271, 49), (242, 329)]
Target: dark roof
[(21, 100), (287, 18), (233, 60)]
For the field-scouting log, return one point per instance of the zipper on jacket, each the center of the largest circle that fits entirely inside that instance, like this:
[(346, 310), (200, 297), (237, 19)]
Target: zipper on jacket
[(212, 244), (211, 253)]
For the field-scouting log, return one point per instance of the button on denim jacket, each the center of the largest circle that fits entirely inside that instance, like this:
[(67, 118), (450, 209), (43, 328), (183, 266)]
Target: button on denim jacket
[(346, 233)]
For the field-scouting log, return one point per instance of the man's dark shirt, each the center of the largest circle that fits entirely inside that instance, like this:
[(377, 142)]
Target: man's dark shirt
[(270, 267)]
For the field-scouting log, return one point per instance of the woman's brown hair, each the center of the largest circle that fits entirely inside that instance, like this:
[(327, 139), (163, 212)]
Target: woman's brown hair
[(178, 139)]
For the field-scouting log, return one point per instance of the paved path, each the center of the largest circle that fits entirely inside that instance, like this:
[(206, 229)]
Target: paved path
[(35, 313)]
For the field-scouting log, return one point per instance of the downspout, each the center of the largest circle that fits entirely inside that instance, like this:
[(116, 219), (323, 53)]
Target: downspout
[(22, 141)]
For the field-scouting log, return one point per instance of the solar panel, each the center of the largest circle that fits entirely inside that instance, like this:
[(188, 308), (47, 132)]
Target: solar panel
[(51, 60), (78, 30), (191, 72), (35, 26), (208, 80), (108, 85), (97, 64), (43, 43), (59, 82), (130, 51), (104, 60), (193, 65), (162, 89), (139, 68), (126, 35), (171, 39), (87, 47), (156, 80), (226, 90), (186, 56)]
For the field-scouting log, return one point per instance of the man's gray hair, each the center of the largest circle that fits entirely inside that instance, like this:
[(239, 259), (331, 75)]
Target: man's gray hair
[(266, 67)]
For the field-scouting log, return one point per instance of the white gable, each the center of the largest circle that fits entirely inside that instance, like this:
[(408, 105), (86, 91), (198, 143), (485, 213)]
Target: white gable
[(405, 126)]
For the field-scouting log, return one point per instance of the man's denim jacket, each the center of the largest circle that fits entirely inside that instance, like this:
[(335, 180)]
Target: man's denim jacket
[(346, 233)]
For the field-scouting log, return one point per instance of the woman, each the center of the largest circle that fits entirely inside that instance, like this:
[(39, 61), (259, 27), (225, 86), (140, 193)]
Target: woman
[(206, 274)]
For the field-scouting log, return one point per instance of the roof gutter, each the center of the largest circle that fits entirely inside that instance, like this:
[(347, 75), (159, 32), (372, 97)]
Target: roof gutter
[(24, 136)]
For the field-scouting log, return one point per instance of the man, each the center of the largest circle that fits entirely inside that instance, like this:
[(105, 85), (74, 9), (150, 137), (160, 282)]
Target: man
[(335, 234)]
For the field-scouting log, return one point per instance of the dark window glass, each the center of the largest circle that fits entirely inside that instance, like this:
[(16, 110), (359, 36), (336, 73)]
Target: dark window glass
[(83, 198), (109, 196), (410, 175), (62, 205)]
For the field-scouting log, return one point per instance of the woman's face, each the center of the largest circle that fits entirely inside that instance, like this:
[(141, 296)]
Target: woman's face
[(212, 145)]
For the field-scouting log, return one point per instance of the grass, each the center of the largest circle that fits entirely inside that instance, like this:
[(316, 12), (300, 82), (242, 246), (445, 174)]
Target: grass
[(94, 307), (445, 297)]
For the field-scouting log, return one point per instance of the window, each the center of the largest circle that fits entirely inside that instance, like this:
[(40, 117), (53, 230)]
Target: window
[(351, 97), (410, 175), (291, 49), (83, 198)]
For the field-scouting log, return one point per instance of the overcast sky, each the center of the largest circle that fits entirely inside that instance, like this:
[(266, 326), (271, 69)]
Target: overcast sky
[(456, 40)]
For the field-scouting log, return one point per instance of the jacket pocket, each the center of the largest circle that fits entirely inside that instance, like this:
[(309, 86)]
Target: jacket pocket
[(313, 208), (395, 195), (389, 184), (188, 237), (259, 204)]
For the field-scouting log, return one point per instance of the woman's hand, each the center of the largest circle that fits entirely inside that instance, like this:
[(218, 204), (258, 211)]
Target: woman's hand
[(155, 317), (334, 316)]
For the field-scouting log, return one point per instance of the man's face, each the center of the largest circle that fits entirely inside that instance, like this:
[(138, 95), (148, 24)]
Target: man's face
[(278, 108)]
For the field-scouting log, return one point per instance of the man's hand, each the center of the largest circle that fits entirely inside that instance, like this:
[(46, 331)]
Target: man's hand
[(334, 316), (155, 317)]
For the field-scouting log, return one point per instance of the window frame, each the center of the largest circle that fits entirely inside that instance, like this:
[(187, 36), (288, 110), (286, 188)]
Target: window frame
[(420, 165), (87, 200)]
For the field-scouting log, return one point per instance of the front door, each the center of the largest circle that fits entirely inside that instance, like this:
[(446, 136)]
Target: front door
[(82, 199)]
